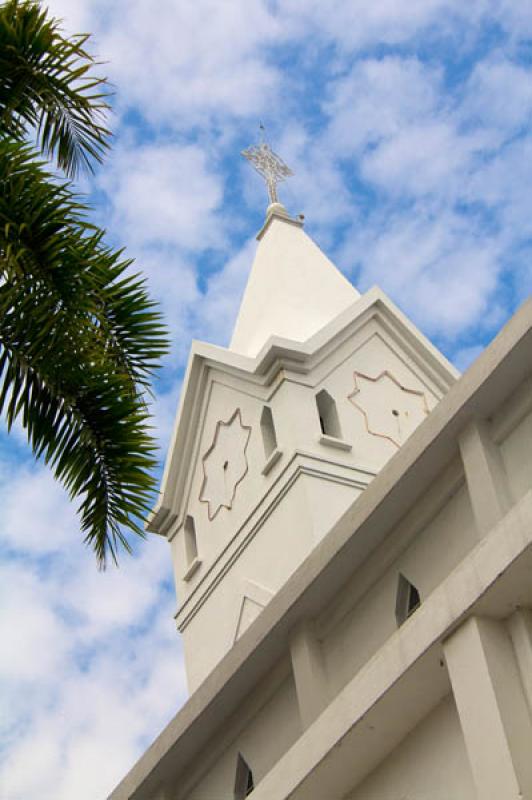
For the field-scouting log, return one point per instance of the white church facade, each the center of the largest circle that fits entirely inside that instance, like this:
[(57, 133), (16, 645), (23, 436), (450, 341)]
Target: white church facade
[(350, 524)]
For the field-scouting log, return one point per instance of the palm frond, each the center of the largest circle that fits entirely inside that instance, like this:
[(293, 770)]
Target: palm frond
[(79, 339), (47, 83)]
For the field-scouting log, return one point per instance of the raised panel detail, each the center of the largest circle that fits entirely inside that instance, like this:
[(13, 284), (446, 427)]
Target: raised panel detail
[(225, 464), (390, 410)]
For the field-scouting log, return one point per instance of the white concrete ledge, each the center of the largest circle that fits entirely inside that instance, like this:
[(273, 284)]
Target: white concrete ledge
[(192, 568), (272, 460), (333, 441)]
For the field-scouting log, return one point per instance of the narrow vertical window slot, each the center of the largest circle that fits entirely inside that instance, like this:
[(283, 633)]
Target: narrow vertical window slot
[(191, 542), (269, 437), (191, 547), (243, 780), (407, 601), (328, 415), (269, 440)]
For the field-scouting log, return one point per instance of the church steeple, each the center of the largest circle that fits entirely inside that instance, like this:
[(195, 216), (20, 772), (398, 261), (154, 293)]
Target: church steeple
[(279, 434), (293, 289)]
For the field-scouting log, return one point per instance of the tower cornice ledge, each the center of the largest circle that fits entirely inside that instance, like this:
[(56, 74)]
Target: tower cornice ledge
[(277, 358)]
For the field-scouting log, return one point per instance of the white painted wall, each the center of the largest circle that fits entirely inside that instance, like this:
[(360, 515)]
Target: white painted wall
[(284, 538), (356, 632), (261, 740), (430, 764), (516, 451)]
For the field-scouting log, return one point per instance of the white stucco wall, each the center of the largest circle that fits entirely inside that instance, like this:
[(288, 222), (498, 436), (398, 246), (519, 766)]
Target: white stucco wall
[(434, 538), (357, 632), (261, 740), (516, 451), (366, 417), (430, 764)]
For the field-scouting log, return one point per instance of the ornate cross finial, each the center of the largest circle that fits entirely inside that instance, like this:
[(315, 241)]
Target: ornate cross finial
[(268, 164)]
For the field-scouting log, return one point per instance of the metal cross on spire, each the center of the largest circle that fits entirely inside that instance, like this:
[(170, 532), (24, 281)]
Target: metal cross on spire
[(268, 164)]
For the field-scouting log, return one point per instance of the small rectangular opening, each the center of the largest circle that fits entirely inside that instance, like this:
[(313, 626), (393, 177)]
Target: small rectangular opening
[(407, 601), (269, 437), (328, 415), (191, 544)]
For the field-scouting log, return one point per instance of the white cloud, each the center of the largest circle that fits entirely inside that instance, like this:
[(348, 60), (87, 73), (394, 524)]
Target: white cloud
[(377, 100), (91, 661), (394, 117), (318, 188), (165, 201), (53, 528), (466, 355), (515, 18), (453, 193), (75, 16), (216, 311), (503, 183), (357, 25), (165, 194), (187, 62), (498, 94), (440, 272), (164, 409), (173, 282), (28, 627), (418, 160)]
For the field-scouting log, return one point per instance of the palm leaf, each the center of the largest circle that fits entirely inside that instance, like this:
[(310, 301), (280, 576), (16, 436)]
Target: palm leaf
[(47, 83), (79, 340)]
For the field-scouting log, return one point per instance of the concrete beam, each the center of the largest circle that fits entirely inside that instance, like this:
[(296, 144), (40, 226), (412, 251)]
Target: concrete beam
[(491, 705), (485, 476), (309, 673), (520, 627), (163, 793), (404, 680)]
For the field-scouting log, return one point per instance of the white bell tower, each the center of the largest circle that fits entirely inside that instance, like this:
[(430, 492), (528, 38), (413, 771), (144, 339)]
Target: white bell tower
[(276, 435)]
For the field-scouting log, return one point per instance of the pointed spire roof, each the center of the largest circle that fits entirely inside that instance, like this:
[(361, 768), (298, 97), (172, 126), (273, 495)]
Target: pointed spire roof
[(293, 289)]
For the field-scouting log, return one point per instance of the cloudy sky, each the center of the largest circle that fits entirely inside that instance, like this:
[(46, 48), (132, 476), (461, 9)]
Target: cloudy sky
[(407, 123)]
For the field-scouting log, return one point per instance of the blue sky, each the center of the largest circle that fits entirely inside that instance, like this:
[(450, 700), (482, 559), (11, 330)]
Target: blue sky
[(407, 124)]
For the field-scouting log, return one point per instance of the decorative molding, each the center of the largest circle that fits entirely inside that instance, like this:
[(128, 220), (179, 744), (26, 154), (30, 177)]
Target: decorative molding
[(334, 441), (192, 568), (272, 460), (215, 465), (300, 463), (399, 438), (255, 594), (255, 591)]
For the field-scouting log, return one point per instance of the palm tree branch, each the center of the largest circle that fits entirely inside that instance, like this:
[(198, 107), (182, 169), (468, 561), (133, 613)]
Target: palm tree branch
[(47, 82), (110, 473), (78, 340)]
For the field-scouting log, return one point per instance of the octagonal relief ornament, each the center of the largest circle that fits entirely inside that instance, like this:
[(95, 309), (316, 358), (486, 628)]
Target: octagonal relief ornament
[(390, 409), (225, 463)]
